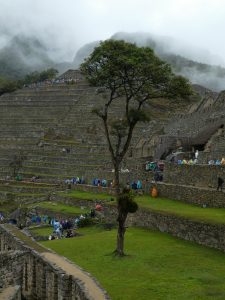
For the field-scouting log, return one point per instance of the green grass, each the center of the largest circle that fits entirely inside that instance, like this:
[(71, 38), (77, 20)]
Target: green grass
[(18, 194), (42, 231), (87, 195), (158, 266), (8, 206), (23, 237), (61, 208), (210, 215)]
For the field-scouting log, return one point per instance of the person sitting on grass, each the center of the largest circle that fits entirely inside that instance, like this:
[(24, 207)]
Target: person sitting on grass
[(70, 233), (51, 237)]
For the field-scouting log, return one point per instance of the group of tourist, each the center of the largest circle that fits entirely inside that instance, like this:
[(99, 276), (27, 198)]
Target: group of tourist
[(64, 227), (52, 82), (187, 161), (135, 185), (75, 180), (61, 228), (99, 182), (217, 162), (191, 161)]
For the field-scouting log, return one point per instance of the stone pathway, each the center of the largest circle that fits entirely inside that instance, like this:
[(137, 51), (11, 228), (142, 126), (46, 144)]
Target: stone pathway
[(8, 292), (92, 288), (71, 269)]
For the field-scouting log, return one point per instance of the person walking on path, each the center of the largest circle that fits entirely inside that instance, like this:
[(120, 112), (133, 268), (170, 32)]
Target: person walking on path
[(220, 182)]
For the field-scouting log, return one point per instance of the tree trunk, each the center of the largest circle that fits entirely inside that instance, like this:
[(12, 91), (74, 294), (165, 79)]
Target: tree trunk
[(120, 233), (121, 219), (117, 178)]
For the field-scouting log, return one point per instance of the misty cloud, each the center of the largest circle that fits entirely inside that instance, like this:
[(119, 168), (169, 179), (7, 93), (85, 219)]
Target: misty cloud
[(64, 26), (190, 28)]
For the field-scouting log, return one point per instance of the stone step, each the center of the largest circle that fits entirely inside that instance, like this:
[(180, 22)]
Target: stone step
[(25, 189), (22, 197)]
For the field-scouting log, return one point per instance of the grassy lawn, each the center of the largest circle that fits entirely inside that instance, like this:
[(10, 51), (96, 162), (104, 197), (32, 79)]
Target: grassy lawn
[(61, 208), (158, 266), (7, 206), (87, 195), (211, 215), (18, 194), (42, 231)]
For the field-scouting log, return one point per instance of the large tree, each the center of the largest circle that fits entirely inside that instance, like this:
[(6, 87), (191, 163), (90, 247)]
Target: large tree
[(129, 77)]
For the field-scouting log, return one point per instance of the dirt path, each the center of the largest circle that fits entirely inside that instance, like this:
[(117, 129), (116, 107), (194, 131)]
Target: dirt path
[(71, 269), (8, 293)]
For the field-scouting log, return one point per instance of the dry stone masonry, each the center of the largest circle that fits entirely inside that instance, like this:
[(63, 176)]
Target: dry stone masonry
[(38, 274)]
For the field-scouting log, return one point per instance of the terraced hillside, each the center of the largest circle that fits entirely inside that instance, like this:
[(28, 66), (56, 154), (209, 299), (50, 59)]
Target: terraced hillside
[(50, 132)]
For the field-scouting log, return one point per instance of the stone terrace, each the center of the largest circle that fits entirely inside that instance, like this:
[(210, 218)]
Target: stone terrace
[(40, 123)]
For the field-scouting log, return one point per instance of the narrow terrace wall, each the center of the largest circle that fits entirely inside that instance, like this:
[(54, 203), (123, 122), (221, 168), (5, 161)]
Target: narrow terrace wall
[(190, 194), (38, 277), (210, 235), (11, 266), (203, 233), (196, 175)]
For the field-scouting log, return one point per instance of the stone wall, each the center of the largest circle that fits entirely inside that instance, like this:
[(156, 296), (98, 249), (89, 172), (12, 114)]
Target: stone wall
[(190, 194), (11, 266), (91, 189), (196, 175), (203, 233), (38, 277), (210, 235)]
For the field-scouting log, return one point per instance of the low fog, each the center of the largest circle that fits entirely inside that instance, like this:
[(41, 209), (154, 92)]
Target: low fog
[(190, 28)]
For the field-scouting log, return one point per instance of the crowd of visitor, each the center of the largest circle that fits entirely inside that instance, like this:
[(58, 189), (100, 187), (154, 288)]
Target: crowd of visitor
[(100, 182), (187, 161), (65, 227), (53, 82), (75, 180), (217, 162)]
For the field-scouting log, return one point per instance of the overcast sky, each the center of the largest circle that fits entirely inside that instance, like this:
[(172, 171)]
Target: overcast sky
[(65, 25)]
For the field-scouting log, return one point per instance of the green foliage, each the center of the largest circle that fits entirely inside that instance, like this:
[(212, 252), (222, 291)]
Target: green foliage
[(31, 77), (119, 128), (40, 76), (138, 116), (178, 86), (86, 222), (8, 86), (48, 74), (132, 76), (128, 70), (126, 201)]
